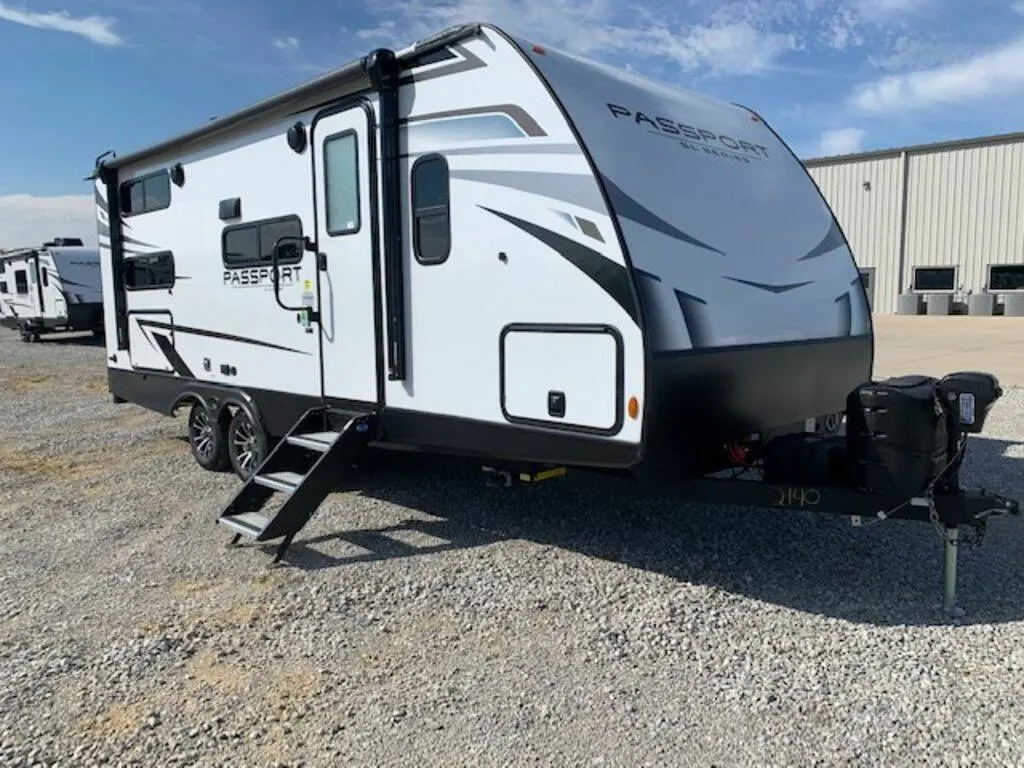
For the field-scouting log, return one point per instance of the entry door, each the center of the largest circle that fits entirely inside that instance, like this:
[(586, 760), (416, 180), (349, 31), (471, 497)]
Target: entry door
[(343, 167)]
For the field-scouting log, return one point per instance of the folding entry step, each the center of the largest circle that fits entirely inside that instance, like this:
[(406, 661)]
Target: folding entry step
[(304, 465)]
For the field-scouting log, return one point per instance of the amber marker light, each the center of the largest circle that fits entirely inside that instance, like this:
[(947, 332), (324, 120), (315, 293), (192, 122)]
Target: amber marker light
[(633, 407)]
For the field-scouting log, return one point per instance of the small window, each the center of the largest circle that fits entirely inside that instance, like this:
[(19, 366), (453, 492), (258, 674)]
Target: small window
[(145, 194), (341, 183), (46, 277), (934, 278), (21, 281), (431, 234), (149, 271), (1006, 277), (250, 245), (3, 288)]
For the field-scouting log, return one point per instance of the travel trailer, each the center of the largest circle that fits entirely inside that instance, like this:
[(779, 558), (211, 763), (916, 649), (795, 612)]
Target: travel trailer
[(55, 287), (481, 246)]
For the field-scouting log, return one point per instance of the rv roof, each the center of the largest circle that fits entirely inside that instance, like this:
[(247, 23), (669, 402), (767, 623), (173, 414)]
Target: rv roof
[(352, 75)]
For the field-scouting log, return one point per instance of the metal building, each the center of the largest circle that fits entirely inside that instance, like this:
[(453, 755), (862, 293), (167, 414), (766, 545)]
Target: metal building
[(942, 224)]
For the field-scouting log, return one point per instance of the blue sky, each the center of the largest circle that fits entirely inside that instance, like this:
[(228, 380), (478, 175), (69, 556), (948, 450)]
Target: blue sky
[(78, 77)]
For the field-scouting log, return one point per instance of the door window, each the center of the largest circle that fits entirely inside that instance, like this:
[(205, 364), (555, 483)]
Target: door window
[(21, 281), (341, 183)]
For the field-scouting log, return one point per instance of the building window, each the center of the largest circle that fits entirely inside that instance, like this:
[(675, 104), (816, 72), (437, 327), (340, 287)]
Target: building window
[(431, 233), (934, 278), (1005, 277), (149, 271), (146, 194), (341, 183), (252, 244), (21, 281)]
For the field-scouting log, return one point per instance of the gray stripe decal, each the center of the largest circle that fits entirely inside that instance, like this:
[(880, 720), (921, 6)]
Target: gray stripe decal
[(573, 188), (520, 116), (590, 229), (628, 208), (697, 319), (612, 277), (832, 240), (470, 61), (100, 201), (133, 241), (530, 148), (771, 288)]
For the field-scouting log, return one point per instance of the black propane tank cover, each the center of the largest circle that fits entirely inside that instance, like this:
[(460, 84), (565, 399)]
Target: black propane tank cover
[(971, 395)]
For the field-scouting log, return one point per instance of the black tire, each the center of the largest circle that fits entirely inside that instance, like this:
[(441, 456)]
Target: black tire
[(248, 444), (207, 440)]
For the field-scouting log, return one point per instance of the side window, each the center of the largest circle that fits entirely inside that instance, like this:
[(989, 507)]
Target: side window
[(46, 277), (431, 225), (3, 287), (21, 281), (149, 271), (147, 193), (241, 246), (341, 183), (252, 244)]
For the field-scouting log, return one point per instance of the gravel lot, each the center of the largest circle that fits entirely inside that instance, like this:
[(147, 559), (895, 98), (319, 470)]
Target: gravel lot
[(429, 620)]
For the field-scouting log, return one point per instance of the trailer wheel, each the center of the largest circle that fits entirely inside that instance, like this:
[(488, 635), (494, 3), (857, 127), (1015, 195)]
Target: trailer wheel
[(247, 444), (206, 438)]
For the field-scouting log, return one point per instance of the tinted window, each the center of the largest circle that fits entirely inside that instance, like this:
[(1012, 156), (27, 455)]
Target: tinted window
[(152, 270), (241, 246), (341, 183), (21, 281), (158, 192), (431, 222), (3, 287), (1006, 277), (934, 278), (148, 193), (46, 277), (252, 244), (271, 232)]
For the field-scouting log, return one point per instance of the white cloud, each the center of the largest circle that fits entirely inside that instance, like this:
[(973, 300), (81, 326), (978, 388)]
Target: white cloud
[(286, 44), (878, 10), (999, 72), (95, 28), (738, 38), (30, 220), (841, 141), (1018, 7)]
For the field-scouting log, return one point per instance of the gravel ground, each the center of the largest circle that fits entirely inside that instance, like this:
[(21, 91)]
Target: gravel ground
[(428, 620)]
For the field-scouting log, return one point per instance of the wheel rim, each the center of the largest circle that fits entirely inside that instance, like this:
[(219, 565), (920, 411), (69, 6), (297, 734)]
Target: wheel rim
[(201, 433), (245, 447)]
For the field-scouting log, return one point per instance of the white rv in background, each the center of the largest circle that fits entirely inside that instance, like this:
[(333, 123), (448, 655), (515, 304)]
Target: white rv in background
[(479, 245), (55, 287)]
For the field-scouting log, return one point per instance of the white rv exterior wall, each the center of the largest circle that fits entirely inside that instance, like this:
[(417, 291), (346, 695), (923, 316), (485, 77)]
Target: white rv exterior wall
[(963, 203), (870, 218)]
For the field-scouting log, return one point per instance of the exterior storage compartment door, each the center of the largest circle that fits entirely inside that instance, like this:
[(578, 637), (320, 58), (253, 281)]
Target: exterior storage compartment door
[(566, 376), (151, 340)]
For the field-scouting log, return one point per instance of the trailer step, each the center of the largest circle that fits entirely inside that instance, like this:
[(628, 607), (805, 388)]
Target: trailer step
[(285, 482), (247, 523), (305, 480), (315, 441)]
